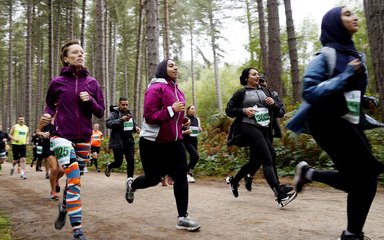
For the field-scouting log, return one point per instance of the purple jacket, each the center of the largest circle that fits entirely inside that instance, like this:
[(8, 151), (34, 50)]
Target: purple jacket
[(73, 117), (161, 123)]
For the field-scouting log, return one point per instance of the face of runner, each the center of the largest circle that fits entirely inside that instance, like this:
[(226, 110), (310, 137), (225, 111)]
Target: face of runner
[(96, 126), (123, 106), (20, 120)]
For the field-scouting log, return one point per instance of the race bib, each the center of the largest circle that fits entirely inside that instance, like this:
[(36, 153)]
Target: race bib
[(39, 149), (195, 131), (262, 116), (3, 155), (62, 149), (353, 103), (128, 126), (96, 137)]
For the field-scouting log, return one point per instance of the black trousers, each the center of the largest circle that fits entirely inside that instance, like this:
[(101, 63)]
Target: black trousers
[(118, 154), (357, 169), (191, 147), (159, 159)]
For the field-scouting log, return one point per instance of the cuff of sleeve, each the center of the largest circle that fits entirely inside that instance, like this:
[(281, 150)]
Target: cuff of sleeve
[(170, 111)]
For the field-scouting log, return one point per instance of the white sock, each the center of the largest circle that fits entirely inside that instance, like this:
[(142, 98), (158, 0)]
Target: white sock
[(309, 174)]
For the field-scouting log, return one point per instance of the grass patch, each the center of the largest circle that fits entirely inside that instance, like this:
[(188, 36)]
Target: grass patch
[(5, 227)]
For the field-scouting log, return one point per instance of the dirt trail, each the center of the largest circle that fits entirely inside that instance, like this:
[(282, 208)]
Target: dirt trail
[(317, 214)]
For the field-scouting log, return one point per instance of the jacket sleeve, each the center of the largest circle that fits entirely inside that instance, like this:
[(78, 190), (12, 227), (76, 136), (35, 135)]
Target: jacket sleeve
[(317, 86), (234, 108), (113, 121), (96, 101), (155, 112)]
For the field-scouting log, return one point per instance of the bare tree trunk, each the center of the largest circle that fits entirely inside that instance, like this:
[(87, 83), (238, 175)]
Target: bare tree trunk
[(38, 99), (82, 33), (50, 40), (274, 53), (166, 41), (250, 35), (113, 62), (263, 36), (100, 41), (106, 40), (375, 25), (10, 96), (28, 65), (152, 36), (139, 60), (192, 68), (292, 45), (70, 20)]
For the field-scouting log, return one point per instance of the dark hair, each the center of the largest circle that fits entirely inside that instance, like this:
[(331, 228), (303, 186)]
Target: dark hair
[(187, 110), (64, 50), (123, 99), (244, 75)]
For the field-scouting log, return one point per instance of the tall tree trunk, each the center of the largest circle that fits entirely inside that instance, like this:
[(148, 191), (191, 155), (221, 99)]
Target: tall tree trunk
[(100, 41), (263, 36), (250, 34), (70, 20), (375, 25), (50, 40), (82, 30), (192, 67), (274, 53), (139, 60), (292, 45), (28, 65), (219, 101), (166, 41), (10, 96), (107, 95), (152, 37), (113, 58)]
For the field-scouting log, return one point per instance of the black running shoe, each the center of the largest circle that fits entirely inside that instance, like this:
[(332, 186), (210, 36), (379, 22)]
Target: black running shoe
[(248, 182), (129, 193), (78, 234), (61, 218), (353, 237), (285, 188), (107, 171), (234, 186), (289, 197)]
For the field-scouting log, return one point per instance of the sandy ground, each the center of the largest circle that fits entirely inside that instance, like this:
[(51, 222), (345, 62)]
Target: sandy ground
[(316, 214)]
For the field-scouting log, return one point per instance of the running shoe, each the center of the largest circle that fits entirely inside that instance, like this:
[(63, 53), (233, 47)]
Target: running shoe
[(248, 182), (78, 234), (299, 180), (97, 170), (185, 223), (285, 188), (129, 194), (234, 186), (12, 171), (353, 237), (57, 188), (61, 218), (107, 171), (54, 196), (289, 197), (190, 178), (23, 177)]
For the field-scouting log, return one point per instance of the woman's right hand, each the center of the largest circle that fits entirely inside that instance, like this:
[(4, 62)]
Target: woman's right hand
[(178, 106), (249, 111)]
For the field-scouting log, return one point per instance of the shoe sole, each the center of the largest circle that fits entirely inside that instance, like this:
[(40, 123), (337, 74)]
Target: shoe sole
[(191, 229), (58, 225), (297, 178)]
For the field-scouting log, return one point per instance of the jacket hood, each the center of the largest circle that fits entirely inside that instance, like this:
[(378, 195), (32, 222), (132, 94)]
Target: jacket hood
[(158, 80)]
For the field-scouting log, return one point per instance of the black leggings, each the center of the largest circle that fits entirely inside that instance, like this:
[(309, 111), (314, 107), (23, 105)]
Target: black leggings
[(357, 169), (129, 153), (260, 152), (191, 148), (159, 159)]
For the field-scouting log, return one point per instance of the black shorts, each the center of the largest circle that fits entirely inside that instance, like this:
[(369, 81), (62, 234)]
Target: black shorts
[(95, 149), (46, 154), (19, 151)]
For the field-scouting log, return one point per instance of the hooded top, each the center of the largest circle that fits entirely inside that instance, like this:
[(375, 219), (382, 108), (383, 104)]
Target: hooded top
[(161, 123), (73, 119)]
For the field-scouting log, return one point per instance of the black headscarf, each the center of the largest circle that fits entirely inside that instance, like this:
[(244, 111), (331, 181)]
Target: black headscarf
[(161, 69), (335, 35), (244, 75), (333, 32)]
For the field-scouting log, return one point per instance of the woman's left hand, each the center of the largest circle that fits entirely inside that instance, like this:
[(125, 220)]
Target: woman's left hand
[(84, 96)]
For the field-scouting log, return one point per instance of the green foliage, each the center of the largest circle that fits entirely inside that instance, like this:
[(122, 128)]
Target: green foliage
[(5, 227)]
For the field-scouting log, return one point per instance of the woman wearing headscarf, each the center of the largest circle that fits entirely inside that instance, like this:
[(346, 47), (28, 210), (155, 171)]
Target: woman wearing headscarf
[(162, 151), (332, 114)]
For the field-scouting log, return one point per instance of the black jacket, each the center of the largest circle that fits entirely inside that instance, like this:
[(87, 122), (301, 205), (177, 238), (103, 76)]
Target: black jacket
[(119, 137)]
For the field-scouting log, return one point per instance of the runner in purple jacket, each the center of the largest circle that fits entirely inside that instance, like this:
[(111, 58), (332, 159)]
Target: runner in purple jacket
[(72, 97), (161, 148)]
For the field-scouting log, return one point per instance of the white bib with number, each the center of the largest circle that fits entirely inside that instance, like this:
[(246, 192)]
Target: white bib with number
[(353, 104), (62, 149), (262, 116), (128, 126), (39, 149), (195, 131)]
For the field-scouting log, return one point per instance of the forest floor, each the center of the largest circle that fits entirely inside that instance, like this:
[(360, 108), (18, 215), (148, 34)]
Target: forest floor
[(316, 214)]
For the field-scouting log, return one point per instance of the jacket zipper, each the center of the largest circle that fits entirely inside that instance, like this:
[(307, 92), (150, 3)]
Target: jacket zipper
[(77, 108), (177, 120)]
